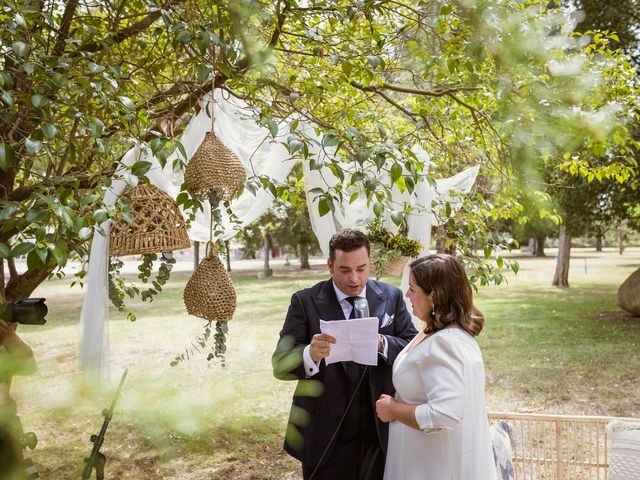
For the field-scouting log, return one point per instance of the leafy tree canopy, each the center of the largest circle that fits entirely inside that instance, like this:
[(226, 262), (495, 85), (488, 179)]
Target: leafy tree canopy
[(502, 83)]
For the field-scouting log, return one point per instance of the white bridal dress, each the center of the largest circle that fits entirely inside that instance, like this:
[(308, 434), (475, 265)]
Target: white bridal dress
[(444, 375)]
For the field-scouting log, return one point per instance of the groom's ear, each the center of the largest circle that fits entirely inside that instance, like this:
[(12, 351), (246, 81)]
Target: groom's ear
[(330, 265)]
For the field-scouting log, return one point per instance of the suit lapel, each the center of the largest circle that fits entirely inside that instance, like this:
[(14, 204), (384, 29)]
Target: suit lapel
[(327, 303), (377, 299)]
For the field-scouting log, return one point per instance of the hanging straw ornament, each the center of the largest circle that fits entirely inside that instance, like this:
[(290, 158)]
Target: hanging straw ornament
[(157, 225), (210, 293), (214, 168)]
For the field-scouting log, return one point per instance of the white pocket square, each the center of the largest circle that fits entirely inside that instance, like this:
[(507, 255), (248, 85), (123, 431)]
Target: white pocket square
[(386, 320)]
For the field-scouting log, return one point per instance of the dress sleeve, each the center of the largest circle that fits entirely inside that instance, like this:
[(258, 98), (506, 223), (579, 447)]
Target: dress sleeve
[(442, 374)]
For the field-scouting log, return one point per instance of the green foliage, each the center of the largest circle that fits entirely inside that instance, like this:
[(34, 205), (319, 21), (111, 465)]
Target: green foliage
[(504, 84)]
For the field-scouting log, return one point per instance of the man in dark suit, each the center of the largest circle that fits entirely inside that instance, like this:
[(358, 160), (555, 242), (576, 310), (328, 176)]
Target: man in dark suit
[(334, 431)]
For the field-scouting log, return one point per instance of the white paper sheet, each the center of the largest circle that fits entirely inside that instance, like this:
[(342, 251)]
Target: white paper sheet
[(356, 340)]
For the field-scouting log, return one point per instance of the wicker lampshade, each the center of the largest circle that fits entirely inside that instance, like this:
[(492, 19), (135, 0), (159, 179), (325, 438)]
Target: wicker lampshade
[(214, 168), (157, 225), (210, 293)]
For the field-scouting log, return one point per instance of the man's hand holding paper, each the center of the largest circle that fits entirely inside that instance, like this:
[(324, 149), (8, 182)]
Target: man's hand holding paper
[(356, 340)]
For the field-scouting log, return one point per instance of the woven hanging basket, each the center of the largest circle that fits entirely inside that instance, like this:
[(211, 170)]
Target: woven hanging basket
[(157, 225), (214, 168), (210, 293), (395, 266)]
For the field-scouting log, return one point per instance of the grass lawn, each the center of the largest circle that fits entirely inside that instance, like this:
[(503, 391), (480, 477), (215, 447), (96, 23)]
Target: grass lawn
[(546, 350)]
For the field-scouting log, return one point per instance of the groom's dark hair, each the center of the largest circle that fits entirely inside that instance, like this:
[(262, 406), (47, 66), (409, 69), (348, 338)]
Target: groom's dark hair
[(348, 240)]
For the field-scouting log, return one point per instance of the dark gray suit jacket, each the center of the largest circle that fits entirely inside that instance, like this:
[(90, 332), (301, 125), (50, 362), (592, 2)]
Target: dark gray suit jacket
[(314, 418)]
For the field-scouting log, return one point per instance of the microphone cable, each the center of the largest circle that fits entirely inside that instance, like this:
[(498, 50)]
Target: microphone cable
[(344, 415)]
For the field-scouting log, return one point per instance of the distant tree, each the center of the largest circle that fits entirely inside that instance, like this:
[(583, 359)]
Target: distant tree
[(288, 220), (619, 16), (537, 220)]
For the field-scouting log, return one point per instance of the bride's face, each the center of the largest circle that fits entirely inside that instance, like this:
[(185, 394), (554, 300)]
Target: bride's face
[(421, 302)]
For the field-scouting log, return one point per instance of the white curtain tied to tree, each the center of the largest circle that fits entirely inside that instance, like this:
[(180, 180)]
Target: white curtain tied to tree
[(236, 127)]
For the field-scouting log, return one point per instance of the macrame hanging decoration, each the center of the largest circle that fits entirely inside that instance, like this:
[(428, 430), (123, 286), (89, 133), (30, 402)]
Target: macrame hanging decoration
[(157, 224), (210, 293), (214, 168)]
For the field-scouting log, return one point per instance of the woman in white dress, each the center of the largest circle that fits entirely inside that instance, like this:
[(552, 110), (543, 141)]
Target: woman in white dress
[(438, 419)]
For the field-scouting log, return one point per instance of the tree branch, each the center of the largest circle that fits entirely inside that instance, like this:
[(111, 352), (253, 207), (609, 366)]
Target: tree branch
[(82, 180), (65, 25), (121, 35), (415, 91), (21, 286)]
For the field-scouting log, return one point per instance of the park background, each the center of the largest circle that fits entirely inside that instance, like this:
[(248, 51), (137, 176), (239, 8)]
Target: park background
[(549, 350), (540, 97)]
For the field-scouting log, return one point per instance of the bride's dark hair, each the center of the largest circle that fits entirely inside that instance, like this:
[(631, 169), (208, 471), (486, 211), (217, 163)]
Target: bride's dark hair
[(443, 277)]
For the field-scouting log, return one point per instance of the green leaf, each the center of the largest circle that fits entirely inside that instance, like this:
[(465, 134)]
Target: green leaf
[(446, 9), (397, 217), (22, 249), (273, 128), (49, 130), (487, 251), (21, 49), (378, 209), (5, 252), (140, 168), (84, 233), (127, 102), (60, 254), (6, 156), (324, 206), (96, 126), (38, 100), (36, 215), (183, 36), (95, 68), (202, 73), (34, 262), (132, 180), (329, 140), (347, 68), (374, 60), (6, 98), (396, 172), (33, 146)]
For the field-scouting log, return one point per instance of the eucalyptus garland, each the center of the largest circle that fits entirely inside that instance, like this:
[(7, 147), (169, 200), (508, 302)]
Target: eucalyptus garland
[(167, 261), (218, 349), (119, 289)]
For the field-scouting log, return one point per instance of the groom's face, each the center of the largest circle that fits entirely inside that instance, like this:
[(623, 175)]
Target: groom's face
[(350, 270)]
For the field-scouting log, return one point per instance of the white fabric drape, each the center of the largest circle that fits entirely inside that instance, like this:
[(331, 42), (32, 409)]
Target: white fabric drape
[(236, 127)]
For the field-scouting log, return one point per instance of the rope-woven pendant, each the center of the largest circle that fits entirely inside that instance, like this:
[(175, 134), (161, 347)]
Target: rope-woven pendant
[(157, 224), (214, 168), (210, 293)]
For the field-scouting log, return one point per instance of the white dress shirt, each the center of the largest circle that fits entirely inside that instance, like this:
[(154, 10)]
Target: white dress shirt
[(311, 367)]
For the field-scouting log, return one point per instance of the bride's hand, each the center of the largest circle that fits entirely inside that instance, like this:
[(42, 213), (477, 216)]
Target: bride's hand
[(384, 408)]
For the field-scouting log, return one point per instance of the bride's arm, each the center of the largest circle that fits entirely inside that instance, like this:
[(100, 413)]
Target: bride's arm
[(389, 409)]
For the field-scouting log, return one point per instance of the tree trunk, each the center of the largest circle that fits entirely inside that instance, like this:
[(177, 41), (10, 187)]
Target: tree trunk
[(21, 286), (267, 250), (598, 244), (226, 245), (561, 277), (196, 255), (304, 257), (440, 235), (622, 236), (539, 246), (266, 272)]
